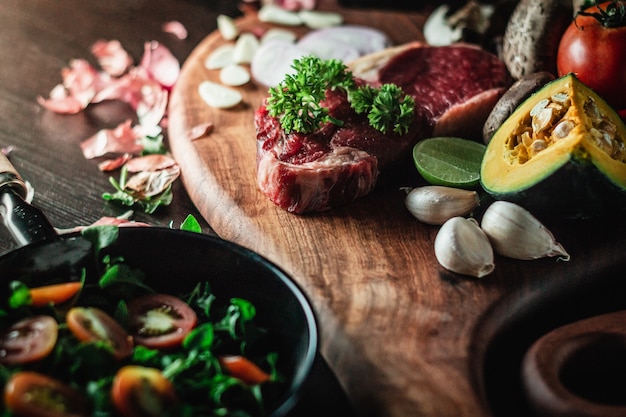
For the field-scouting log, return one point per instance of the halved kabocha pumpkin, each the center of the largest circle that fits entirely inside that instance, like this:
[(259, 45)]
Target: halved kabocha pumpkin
[(562, 152)]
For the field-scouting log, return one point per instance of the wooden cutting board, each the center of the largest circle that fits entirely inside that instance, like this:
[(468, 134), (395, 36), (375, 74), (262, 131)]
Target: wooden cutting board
[(396, 327)]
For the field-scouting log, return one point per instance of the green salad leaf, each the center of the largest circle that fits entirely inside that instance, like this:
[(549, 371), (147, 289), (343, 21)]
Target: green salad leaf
[(191, 224), (101, 236), (225, 327), (130, 198), (19, 294)]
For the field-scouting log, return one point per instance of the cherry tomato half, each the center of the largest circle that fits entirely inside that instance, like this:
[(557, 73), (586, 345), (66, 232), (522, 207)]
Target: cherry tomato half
[(138, 391), (244, 369), (160, 321), (54, 294), (28, 340), (90, 324), (30, 394), (596, 55)]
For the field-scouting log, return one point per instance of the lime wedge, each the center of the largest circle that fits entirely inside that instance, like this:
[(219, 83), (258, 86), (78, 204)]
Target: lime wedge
[(449, 161)]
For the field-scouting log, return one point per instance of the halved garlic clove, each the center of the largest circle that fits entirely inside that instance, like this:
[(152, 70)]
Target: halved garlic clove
[(220, 57), (271, 13), (434, 204), (280, 34), (462, 247), (245, 48), (515, 233), (227, 27), (234, 75), (219, 96), (314, 19)]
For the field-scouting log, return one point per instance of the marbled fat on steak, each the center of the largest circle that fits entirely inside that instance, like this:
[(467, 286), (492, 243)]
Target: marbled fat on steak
[(454, 88), (334, 165)]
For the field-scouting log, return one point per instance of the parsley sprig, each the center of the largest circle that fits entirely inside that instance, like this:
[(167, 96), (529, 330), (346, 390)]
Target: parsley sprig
[(296, 101)]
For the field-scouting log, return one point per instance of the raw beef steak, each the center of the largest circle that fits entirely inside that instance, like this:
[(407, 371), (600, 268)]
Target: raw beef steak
[(454, 88), (336, 164)]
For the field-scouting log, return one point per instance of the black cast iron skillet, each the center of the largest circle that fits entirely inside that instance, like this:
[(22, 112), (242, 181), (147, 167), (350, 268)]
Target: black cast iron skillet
[(173, 261)]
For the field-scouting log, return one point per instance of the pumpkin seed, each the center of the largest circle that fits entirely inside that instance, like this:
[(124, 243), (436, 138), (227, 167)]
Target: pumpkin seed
[(537, 146), (548, 122), (543, 120), (561, 98), (562, 129), (542, 104)]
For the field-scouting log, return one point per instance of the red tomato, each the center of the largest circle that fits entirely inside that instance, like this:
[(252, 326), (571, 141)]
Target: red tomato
[(28, 340), (160, 321), (597, 56), (90, 324), (54, 294), (30, 394), (138, 391), (244, 369)]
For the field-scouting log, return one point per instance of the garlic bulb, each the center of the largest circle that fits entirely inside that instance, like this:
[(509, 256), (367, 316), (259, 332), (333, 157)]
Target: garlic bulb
[(516, 233), (462, 247), (434, 204)]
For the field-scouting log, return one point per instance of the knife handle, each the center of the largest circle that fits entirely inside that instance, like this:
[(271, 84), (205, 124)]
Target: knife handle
[(26, 223), (9, 177)]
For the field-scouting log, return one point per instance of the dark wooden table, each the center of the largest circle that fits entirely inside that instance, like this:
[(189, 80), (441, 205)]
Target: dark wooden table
[(454, 320), (37, 39)]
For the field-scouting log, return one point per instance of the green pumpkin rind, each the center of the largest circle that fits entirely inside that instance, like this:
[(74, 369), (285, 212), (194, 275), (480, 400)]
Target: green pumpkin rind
[(576, 190), (572, 179)]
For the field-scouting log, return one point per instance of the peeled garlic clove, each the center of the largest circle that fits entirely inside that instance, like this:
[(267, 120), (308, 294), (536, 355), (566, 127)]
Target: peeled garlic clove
[(271, 13), (245, 48), (220, 57), (462, 247), (516, 233), (316, 20), (234, 75), (219, 96), (434, 204), (280, 34), (227, 27)]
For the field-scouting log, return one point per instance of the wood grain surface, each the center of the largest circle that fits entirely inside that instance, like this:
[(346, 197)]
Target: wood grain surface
[(38, 39), (398, 329)]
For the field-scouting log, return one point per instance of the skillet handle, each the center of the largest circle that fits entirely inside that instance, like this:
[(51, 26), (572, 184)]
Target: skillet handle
[(26, 223)]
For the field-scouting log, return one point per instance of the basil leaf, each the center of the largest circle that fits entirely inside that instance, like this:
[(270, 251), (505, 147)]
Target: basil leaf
[(20, 295), (201, 338), (191, 224)]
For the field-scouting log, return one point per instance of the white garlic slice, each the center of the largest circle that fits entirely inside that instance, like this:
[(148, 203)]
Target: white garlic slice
[(234, 75), (219, 96), (515, 233), (462, 247), (435, 204), (227, 27), (245, 48), (315, 19), (280, 34), (220, 57), (271, 13)]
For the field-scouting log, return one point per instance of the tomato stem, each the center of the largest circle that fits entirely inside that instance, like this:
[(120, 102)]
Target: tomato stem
[(612, 16)]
